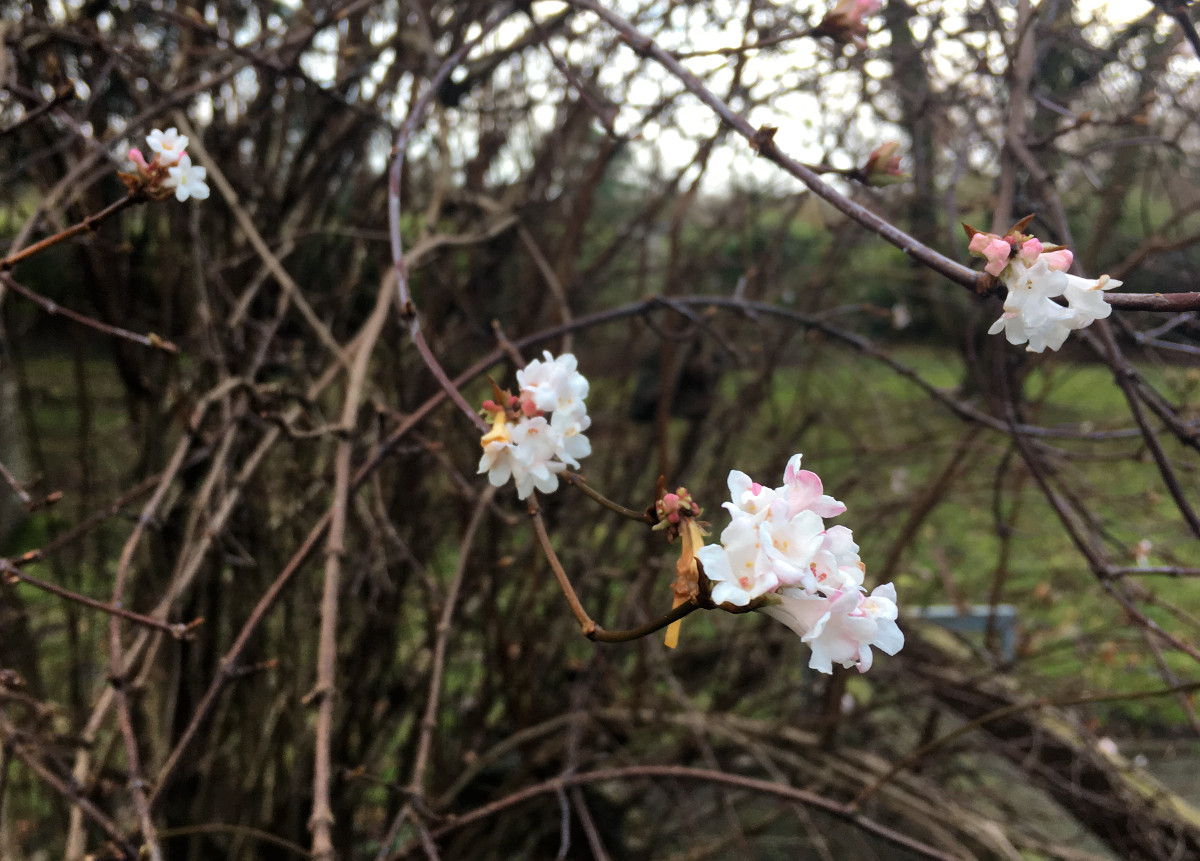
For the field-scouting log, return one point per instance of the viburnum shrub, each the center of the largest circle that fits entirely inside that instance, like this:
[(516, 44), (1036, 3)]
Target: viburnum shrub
[(776, 555)]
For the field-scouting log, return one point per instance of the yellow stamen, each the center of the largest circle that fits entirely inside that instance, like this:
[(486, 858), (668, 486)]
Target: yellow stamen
[(499, 431)]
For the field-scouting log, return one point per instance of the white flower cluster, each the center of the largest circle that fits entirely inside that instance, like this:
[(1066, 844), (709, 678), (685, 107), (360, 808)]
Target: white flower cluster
[(1035, 278), (526, 446), (778, 546), (172, 167)]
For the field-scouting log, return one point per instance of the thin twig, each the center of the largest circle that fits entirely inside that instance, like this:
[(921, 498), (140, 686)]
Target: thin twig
[(564, 582), (176, 630), (678, 772), (576, 480), (416, 785), (998, 714), (321, 821), (88, 223), (52, 307), (67, 790)]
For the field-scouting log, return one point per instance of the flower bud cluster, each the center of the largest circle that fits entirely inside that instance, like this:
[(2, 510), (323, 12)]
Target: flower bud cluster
[(171, 169), (1035, 277), (883, 166), (845, 21), (777, 547), (671, 509), (524, 444)]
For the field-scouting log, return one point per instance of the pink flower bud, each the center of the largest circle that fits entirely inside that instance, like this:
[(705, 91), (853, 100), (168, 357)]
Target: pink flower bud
[(1059, 261), (1030, 249), (997, 252), (979, 242), (139, 161)]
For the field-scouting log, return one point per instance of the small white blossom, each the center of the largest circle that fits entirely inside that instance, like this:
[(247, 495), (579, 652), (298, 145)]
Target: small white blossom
[(738, 565), (554, 384), (499, 460), (169, 145), (777, 548), (804, 492), (836, 564), (747, 497), (842, 627), (536, 436), (1086, 299), (537, 445), (1035, 278), (573, 445), (1030, 313), (188, 181), (791, 543)]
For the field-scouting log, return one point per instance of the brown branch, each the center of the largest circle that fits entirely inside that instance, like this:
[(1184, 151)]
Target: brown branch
[(65, 92), (88, 223), (762, 141), (52, 307), (118, 671), (576, 480), (408, 309), (16, 485), (564, 582), (286, 282), (1154, 301), (997, 714), (67, 790), (177, 630), (678, 772), (321, 821), (601, 635), (416, 785)]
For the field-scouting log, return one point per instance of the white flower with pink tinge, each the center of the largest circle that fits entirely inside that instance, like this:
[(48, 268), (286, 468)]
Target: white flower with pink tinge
[(554, 384), (538, 434), (842, 627), (738, 566), (1035, 278), (187, 180), (804, 492), (537, 445), (170, 145), (747, 497), (777, 550)]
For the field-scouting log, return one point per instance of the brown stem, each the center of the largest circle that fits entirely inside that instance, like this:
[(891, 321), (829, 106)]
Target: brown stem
[(408, 309), (118, 672), (64, 93), (416, 786), (761, 140), (88, 223), (52, 307), (321, 821), (67, 790), (1040, 703), (564, 582), (576, 480), (678, 772), (16, 486), (178, 631), (600, 635)]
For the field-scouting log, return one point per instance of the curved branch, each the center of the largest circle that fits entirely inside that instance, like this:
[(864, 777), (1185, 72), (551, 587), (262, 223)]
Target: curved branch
[(762, 141), (679, 772)]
